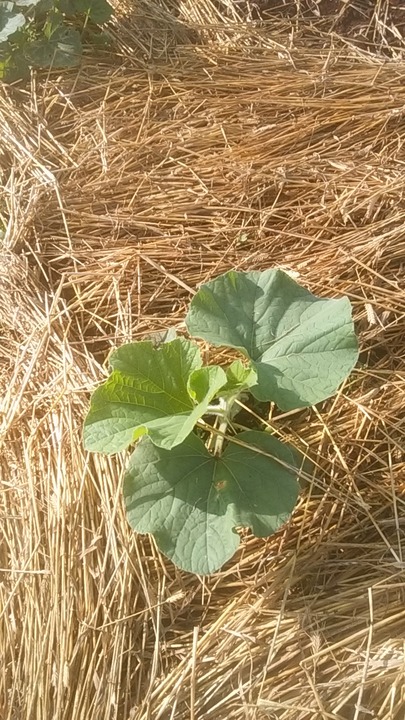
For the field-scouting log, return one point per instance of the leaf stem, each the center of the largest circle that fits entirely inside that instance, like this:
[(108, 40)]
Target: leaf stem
[(218, 410), (219, 440), (226, 414)]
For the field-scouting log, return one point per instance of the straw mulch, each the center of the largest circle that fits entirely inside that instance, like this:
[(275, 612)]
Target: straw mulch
[(198, 147)]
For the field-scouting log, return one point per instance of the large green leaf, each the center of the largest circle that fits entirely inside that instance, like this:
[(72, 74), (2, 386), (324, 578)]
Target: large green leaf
[(62, 49), (160, 391), (301, 346), (10, 20), (192, 501)]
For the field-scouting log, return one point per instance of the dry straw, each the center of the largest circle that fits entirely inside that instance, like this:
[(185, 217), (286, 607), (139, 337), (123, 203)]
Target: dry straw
[(193, 150)]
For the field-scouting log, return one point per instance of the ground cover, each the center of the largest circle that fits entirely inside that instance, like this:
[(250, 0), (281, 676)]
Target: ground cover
[(205, 141)]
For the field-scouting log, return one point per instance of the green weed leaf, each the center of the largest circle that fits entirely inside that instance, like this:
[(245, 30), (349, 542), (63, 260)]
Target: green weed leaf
[(62, 49), (10, 20), (301, 346), (192, 501), (14, 67), (54, 20), (160, 391)]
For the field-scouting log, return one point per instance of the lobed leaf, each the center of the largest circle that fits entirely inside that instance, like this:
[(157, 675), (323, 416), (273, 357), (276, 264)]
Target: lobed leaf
[(160, 391), (192, 501), (301, 346)]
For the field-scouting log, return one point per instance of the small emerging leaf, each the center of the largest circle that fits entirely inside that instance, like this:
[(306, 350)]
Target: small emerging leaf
[(202, 381), (238, 378), (54, 20), (192, 501), (148, 392), (301, 346)]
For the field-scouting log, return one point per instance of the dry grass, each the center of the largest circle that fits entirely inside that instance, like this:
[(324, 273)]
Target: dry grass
[(124, 186)]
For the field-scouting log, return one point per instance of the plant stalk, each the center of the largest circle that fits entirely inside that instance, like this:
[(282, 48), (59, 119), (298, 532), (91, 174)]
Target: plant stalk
[(220, 437), (225, 415)]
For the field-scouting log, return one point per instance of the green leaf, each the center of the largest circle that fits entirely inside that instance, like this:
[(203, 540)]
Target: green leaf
[(301, 346), (10, 20), (102, 41), (66, 7), (14, 67), (62, 49), (43, 7), (148, 392), (99, 11), (53, 21), (238, 378), (192, 501), (202, 381)]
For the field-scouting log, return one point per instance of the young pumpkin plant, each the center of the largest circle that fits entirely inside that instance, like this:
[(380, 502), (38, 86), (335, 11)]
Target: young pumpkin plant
[(192, 495)]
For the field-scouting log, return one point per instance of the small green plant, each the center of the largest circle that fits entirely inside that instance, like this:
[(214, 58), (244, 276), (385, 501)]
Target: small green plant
[(191, 483), (45, 33)]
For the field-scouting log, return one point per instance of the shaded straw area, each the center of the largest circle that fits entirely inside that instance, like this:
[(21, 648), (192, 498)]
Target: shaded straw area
[(125, 185)]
